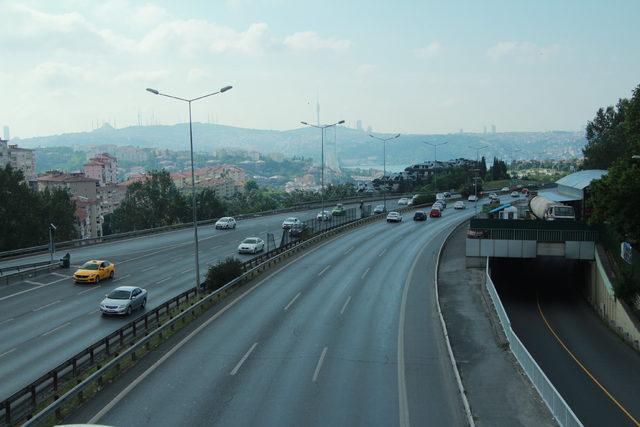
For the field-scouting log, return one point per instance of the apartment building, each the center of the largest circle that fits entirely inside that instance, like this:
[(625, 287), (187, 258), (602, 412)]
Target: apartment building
[(19, 158), (104, 168)]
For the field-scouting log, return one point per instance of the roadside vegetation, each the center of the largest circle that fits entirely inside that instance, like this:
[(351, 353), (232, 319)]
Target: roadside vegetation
[(613, 143)]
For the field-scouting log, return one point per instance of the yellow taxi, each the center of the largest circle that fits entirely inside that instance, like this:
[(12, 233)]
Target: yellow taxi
[(93, 271)]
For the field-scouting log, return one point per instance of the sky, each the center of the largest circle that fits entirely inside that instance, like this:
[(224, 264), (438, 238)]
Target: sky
[(398, 66)]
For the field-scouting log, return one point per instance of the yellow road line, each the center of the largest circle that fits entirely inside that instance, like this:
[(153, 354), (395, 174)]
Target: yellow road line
[(584, 368)]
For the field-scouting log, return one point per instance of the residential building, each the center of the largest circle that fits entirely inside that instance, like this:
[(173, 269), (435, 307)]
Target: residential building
[(104, 168), (19, 158)]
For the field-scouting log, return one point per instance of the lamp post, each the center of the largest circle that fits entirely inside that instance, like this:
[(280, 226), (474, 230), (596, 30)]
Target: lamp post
[(435, 161), (475, 179), (322, 128), (52, 248), (193, 179), (384, 163)]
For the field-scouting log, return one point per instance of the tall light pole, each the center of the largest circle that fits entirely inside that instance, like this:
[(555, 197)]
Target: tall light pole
[(52, 248), (322, 128), (384, 162), (435, 161), (193, 178), (475, 178)]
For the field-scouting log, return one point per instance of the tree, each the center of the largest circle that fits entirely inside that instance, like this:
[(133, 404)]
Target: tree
[(483, 168), (614, 133), (250, 185), (209, 206), (498, 170)]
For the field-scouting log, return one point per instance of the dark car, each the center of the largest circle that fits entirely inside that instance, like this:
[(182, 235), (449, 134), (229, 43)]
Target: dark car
[(379, 209), (296, 230), (420, 216)]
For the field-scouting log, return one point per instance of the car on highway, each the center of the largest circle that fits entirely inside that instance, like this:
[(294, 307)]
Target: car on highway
[(435, 213), (419, 216), (338, 210), (253, 245), (324, 216), (123, 300), (394, 216), (437, 205), (287, 223), (459, 205), (379, 209), (93, 271), (225, 223), (505, 189), (493, 197), (296, 230), (404, 201), (472, 198), (515, 194)]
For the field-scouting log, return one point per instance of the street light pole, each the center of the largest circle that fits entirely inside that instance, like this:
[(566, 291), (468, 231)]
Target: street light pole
[(435, 161), (384, 163), (475, 178), (52, 248), (193, 178), (322, 128)]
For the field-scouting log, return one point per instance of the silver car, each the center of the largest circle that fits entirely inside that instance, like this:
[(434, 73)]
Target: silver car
[(123, 300), (226, 223), (251, 245)]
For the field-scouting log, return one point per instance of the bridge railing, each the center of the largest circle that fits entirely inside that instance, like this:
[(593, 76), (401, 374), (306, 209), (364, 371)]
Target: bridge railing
[(541, 231), (551, 397)]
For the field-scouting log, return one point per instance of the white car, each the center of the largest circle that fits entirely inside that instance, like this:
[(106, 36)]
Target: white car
[(322, 216), (287, 223), (225, 223), (515, 194), (437, 205), (472, 198), (394, 217), (505, 189), (403, 202), (123, 300), (251, 245), (459, 205)]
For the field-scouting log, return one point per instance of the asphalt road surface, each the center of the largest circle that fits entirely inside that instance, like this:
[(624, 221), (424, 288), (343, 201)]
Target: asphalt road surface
[(345, 334), (596, 373), (47, 319)]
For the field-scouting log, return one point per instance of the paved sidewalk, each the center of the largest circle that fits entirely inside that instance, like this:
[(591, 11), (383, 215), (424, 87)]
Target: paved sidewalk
[(498, 391)]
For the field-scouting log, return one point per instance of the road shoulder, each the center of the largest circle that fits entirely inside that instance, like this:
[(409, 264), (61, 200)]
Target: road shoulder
[(498, 391)]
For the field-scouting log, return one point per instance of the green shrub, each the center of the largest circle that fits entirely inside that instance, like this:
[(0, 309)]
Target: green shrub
[(222, 273), (424, 199)]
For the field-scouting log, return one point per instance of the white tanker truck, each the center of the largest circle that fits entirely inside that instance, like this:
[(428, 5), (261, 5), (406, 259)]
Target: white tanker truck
[(549, 210)]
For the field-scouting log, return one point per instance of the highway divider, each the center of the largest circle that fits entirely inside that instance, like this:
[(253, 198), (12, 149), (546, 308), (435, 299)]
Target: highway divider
[(49, 398), (120, 236)]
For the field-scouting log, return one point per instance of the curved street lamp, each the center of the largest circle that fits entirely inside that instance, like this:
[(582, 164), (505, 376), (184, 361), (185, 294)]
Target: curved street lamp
[(322, 128), (435, 161), (384, 162), (193, 179)]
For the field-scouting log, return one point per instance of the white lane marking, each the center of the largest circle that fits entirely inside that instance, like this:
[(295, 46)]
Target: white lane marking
[(61, 275), (7, 352), (349, 250), (20, 293), (6, 321), (345, 305), (56, 281), (246, 355), (383, 251), (164, 280), (121, 278), (185, 340), (324, 269), (34, 283), (178, 258), (45, 306), (156, 252), (292, 301), (55, 329), (319, 365), (148, 268), (365, 272), (87, 290), (187, 270), (91, 313)]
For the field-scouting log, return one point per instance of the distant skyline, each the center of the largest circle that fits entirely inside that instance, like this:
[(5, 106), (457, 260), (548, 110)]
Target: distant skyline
[(409, 66)]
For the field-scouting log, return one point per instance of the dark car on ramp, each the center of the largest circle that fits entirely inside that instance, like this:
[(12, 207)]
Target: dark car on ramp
[(419, 216)]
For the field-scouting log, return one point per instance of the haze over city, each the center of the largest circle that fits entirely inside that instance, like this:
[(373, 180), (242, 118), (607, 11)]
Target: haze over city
[(410, 67)]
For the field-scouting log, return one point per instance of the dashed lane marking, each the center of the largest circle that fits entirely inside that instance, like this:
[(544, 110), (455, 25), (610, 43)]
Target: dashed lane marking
[(345, 305), (324, 269), (7, 352), (365, 273), (319, 365), (87, 290), (45, 306), (55, 329), (244, 358), (292, 301)]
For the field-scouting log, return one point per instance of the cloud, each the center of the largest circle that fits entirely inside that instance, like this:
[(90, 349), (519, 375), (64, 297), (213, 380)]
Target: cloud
[(431, 50), (149, 15), (311, 41), (522, 51), (59, 74), (365, 70), (140, 76)]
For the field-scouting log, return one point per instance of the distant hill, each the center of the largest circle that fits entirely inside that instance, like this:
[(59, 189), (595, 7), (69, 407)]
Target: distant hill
[(354, 147)]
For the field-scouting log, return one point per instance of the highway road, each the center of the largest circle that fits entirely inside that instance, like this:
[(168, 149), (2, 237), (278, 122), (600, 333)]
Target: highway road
[(47, 319), (345, 334), (597, 374)]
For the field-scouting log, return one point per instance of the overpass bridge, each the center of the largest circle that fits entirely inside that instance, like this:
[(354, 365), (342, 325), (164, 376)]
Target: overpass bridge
[(517, 238)]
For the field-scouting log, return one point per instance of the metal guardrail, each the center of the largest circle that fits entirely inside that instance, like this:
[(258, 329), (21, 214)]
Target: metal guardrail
[(124, 342), (120, 236), (551, 397), (541, 231), (20, 268)]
